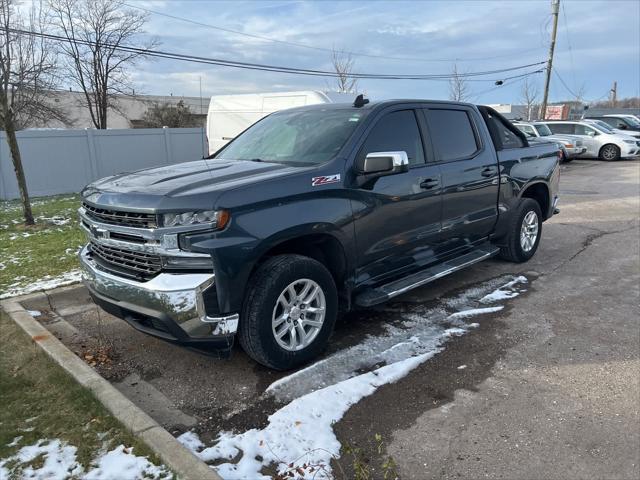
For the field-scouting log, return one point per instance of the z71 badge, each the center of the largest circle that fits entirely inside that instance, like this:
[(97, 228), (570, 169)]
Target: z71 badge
[(317, 181)]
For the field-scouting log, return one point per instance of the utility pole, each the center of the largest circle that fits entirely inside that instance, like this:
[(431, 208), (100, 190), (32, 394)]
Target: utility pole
[(555, 8), (614, 95)]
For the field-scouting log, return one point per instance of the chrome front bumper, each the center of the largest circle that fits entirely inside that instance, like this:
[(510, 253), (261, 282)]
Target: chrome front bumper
[(174, 302)]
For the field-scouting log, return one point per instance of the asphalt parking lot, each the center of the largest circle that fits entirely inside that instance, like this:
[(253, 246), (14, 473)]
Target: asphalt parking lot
[(540, 381)]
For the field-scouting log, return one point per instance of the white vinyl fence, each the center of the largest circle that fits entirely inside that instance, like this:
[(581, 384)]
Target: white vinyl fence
[(64, 161)]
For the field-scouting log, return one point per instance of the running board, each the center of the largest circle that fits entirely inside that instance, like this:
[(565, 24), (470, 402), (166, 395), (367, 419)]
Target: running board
[(383, 293)]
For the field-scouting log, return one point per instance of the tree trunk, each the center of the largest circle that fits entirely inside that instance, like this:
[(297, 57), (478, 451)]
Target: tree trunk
[(12, 140)]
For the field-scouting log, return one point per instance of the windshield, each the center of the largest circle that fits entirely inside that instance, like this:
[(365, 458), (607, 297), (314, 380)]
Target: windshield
[(630, 121), (601, 125), (299, 138), (543, 130)]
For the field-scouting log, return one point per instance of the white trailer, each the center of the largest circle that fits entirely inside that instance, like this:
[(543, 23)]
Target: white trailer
[(229, 115)]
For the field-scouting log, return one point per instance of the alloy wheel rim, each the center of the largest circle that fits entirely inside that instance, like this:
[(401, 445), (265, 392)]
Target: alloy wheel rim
[(609, 153), (529, 231), (298, 315)]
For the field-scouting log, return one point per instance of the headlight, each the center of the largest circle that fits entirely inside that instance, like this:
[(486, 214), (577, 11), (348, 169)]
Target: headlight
[(217, 218), (633, 142)]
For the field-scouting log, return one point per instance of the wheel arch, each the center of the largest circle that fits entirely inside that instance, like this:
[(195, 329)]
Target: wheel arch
[(539, 191)]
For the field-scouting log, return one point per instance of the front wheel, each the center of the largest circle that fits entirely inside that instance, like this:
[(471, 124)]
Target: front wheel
[(609, 152), (289, 312), (524, 234)]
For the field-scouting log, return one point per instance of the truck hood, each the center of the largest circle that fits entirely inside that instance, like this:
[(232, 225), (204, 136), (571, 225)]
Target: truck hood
[(190, 178)]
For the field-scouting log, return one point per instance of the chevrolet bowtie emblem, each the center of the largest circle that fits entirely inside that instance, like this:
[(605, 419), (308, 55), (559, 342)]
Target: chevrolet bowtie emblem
[(99, 232)]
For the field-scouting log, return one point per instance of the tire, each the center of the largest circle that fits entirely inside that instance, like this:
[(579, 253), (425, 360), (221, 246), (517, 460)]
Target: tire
[(516, 249), (609, 152), (264, 305)]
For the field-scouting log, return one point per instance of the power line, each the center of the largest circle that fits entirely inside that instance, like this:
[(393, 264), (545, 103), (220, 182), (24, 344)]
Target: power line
[(513, 81), (566, 29), (270, 68), (324, 49), (565, 84)]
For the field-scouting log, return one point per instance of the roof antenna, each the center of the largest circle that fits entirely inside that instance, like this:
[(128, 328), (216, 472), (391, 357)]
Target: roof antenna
[(360, 101)]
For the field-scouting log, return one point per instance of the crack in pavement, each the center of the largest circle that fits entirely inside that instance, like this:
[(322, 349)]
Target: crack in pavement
[(587, 242)]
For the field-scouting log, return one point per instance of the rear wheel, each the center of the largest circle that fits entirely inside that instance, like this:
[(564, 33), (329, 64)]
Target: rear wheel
[(609, 152), (289, 312), (524, 234)]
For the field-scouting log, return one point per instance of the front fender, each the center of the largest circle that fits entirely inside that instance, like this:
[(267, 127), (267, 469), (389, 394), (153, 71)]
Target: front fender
[(253, 232)]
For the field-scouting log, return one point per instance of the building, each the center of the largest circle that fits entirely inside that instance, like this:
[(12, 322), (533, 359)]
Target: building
[(128, 112)]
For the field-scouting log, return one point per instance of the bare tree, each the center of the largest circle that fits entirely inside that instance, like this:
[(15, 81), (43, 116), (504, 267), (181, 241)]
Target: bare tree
[(529, 97), (27, 76), (96, 31), (459, 90), (343, 64)]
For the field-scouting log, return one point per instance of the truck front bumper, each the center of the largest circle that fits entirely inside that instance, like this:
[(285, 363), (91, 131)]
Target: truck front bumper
[(168, 306)]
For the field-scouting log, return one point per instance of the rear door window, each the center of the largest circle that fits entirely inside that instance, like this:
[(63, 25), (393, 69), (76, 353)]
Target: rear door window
[(452, 134), (584, 130), (395, 131), (566, 128)]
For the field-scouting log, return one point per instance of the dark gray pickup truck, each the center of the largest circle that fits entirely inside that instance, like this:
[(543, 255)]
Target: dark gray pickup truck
[(309, 212)]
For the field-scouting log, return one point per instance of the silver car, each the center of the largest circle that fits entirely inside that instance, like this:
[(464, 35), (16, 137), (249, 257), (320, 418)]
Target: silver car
[(599, 142), (605, 126), (570, 146)]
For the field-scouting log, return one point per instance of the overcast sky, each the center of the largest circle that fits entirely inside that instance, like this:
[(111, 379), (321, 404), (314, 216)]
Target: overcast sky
[(598, 42)]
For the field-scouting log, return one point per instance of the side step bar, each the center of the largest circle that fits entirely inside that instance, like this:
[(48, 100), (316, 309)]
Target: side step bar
[(385, 292)]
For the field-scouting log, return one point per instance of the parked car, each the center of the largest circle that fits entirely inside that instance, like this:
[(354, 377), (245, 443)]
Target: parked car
[(606, 127), (620, 121), (624, 115), (599, 142), (312, 211), (570, 146)]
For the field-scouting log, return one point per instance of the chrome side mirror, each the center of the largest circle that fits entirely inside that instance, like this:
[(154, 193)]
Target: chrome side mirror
[(385, 163)]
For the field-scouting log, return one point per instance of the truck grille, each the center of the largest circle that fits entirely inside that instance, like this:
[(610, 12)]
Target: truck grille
[(127, 262), (127, 219)]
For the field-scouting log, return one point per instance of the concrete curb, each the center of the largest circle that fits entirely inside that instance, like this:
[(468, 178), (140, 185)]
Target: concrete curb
[(174, 455)]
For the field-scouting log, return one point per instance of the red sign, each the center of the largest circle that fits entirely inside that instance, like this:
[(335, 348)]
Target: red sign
[(557, 112)]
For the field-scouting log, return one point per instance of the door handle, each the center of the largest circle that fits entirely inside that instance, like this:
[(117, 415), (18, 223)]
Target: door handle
[(429, 183), (488, 172)]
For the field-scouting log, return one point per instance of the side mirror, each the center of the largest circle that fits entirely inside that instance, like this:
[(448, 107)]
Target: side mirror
[(591, 133), (385, 163), (622, 126)]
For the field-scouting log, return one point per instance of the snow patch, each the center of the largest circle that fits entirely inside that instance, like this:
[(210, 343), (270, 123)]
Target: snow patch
[(35, 313), (319, 395), (15, 441), (59, 462), (505, 292), (475, 311), (46, 283), (121, 464)]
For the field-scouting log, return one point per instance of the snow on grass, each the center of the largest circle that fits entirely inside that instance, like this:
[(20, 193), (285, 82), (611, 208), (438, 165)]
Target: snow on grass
[(318, 396), (55, 220), (57, 460), (121, 464), (46, 283)]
